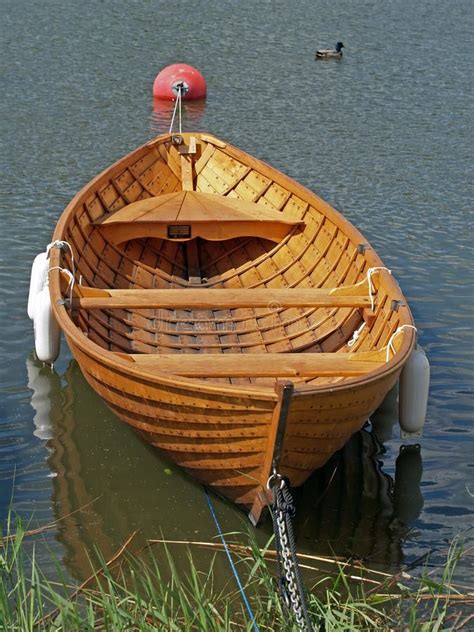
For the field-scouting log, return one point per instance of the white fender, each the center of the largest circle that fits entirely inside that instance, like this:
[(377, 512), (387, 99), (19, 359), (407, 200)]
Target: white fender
[(38, 278), (47, 332), (413, 398)]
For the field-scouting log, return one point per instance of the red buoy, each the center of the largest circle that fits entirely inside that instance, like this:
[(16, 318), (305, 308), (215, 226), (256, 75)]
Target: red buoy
[(172, 78)]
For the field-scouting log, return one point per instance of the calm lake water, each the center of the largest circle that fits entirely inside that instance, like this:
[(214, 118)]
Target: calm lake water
[(384, 135)]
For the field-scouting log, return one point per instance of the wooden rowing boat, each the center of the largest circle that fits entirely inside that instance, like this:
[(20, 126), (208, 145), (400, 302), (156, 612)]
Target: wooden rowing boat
[(226, 312)]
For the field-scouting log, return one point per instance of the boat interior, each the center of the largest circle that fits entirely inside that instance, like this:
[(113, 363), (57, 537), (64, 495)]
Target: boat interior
[(262, 267)]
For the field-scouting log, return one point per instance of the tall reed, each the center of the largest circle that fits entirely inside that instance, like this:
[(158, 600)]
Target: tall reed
[(130, 592)]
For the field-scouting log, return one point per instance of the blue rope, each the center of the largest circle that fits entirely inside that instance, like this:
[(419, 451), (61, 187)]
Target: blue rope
[(231, 561)]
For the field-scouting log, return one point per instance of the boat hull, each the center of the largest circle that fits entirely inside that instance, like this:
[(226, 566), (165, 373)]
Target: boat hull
[(224, 441)]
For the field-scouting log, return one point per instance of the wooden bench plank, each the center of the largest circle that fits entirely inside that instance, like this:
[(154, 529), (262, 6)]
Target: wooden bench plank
[(205, 215), (259, 365), (194, 206), (204, 298)]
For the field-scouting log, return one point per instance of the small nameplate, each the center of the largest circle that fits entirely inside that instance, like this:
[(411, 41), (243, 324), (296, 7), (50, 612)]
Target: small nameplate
[(179, 231)]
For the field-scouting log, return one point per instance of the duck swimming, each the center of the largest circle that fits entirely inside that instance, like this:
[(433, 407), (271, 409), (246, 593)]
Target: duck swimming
[(330, 53)]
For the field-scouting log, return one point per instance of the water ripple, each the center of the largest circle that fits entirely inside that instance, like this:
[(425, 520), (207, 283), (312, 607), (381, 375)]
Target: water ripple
[(384, 137)]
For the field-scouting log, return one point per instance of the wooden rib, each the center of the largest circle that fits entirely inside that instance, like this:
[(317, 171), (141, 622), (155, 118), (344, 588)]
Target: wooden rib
[(150, 164), (165, 181), (128, 190), (229, 170), (240, 243), (156, 272), (277, 320), (212, 337), (309, 243), (247, 324), (258, 342), (236, 181), (150, 246), (268, 255), (204, 159), (122, 253), (259, 365), (215, 299), (166, 153)]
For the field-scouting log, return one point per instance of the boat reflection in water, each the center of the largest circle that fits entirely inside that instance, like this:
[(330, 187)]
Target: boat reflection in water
[(45, 385), (192, 112), (351, 508), (119, 484)]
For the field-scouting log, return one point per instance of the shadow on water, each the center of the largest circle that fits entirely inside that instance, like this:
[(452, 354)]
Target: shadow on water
[(349, 508)]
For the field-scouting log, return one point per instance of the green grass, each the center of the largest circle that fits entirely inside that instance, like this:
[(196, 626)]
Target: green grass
[(145, 591)]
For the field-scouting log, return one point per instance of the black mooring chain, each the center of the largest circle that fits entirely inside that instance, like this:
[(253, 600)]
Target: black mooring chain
[(290, 582)]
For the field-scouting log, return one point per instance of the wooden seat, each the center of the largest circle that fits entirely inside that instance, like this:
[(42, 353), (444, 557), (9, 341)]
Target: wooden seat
[(204, 298), (261, 365), (185, 215)]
